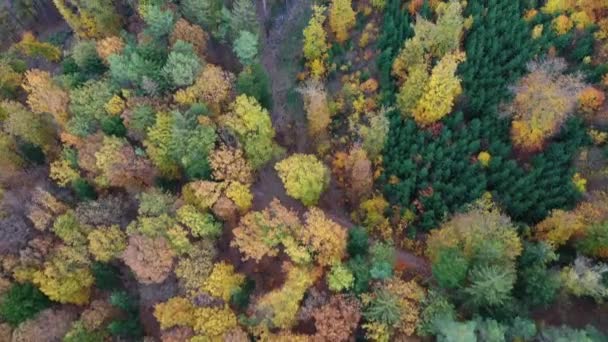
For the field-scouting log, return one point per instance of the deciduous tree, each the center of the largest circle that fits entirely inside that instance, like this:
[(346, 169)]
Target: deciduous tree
[(106, 243), (341, 19), (151, 259), (304, 177)]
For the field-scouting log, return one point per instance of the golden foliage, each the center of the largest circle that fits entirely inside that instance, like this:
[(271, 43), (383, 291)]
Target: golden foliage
[(279, 307), (107, 243), (324, 236), (543, 101), (260, 232), (190, 33), (177, 311), (241, 195), (32, 47), (229, 164), (66, 277), (116, 105), (214, 322), (591, 99), (223, 281), (562, 24), (44, 96), (341, 18), (410, 295), (213, 86), (202, 194), (317, 108), (108, 46)]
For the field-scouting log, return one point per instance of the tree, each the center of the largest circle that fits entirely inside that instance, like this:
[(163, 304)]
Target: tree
[(158, 143), (490, 285), (32, 128), (451, 268), (242, 18), (246, 47), (44, 96), (207, 13), (241, 195), (159, 22), (229, 164), (595, 240), (68, 229), (50, 324), (106, 243), (383, 308), (87, 106), (260, 233), (536, 283), (200, 224), (252, 125), (193, 269), (213, 87), (543, 101), (89, 18), (590, 100), (86, 58), (108, 46), (254, 81), (66, 276), (358, 179), (492, 64), (304, 177), (279, 307), (337, 319), (177, 311), (223, 281), (315, 46), (182, 65), (341, 19), (340, 278), (22, 302), (32, 47), (151, 259), (213, 322), (324, 236), (440, 92), (584, 278), (190, 33), (317, 109), (374, 136)]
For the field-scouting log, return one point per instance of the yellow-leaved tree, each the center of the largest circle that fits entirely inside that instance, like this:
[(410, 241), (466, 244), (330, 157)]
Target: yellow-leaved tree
[(440, 92), (341, 18), (315, 44), (304, 176), (223, 281), (44, 96)]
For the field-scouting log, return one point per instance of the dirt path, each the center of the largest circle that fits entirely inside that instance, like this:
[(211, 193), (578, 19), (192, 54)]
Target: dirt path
[(280, 56)]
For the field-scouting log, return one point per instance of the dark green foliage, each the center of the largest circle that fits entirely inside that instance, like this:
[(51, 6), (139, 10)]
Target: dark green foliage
[(434, 170), (254, 81), (450, 269), (528, 194), (86, 58), (129, 327), (395, 30), (384, 308), (359, 266), (498, 46), (32, 153), (242, 296), (206, 13), (191, 144), (140, 67), (83, 190), (358, 242), (536, 284), (107, 277), (113, 125), (22, 302)]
